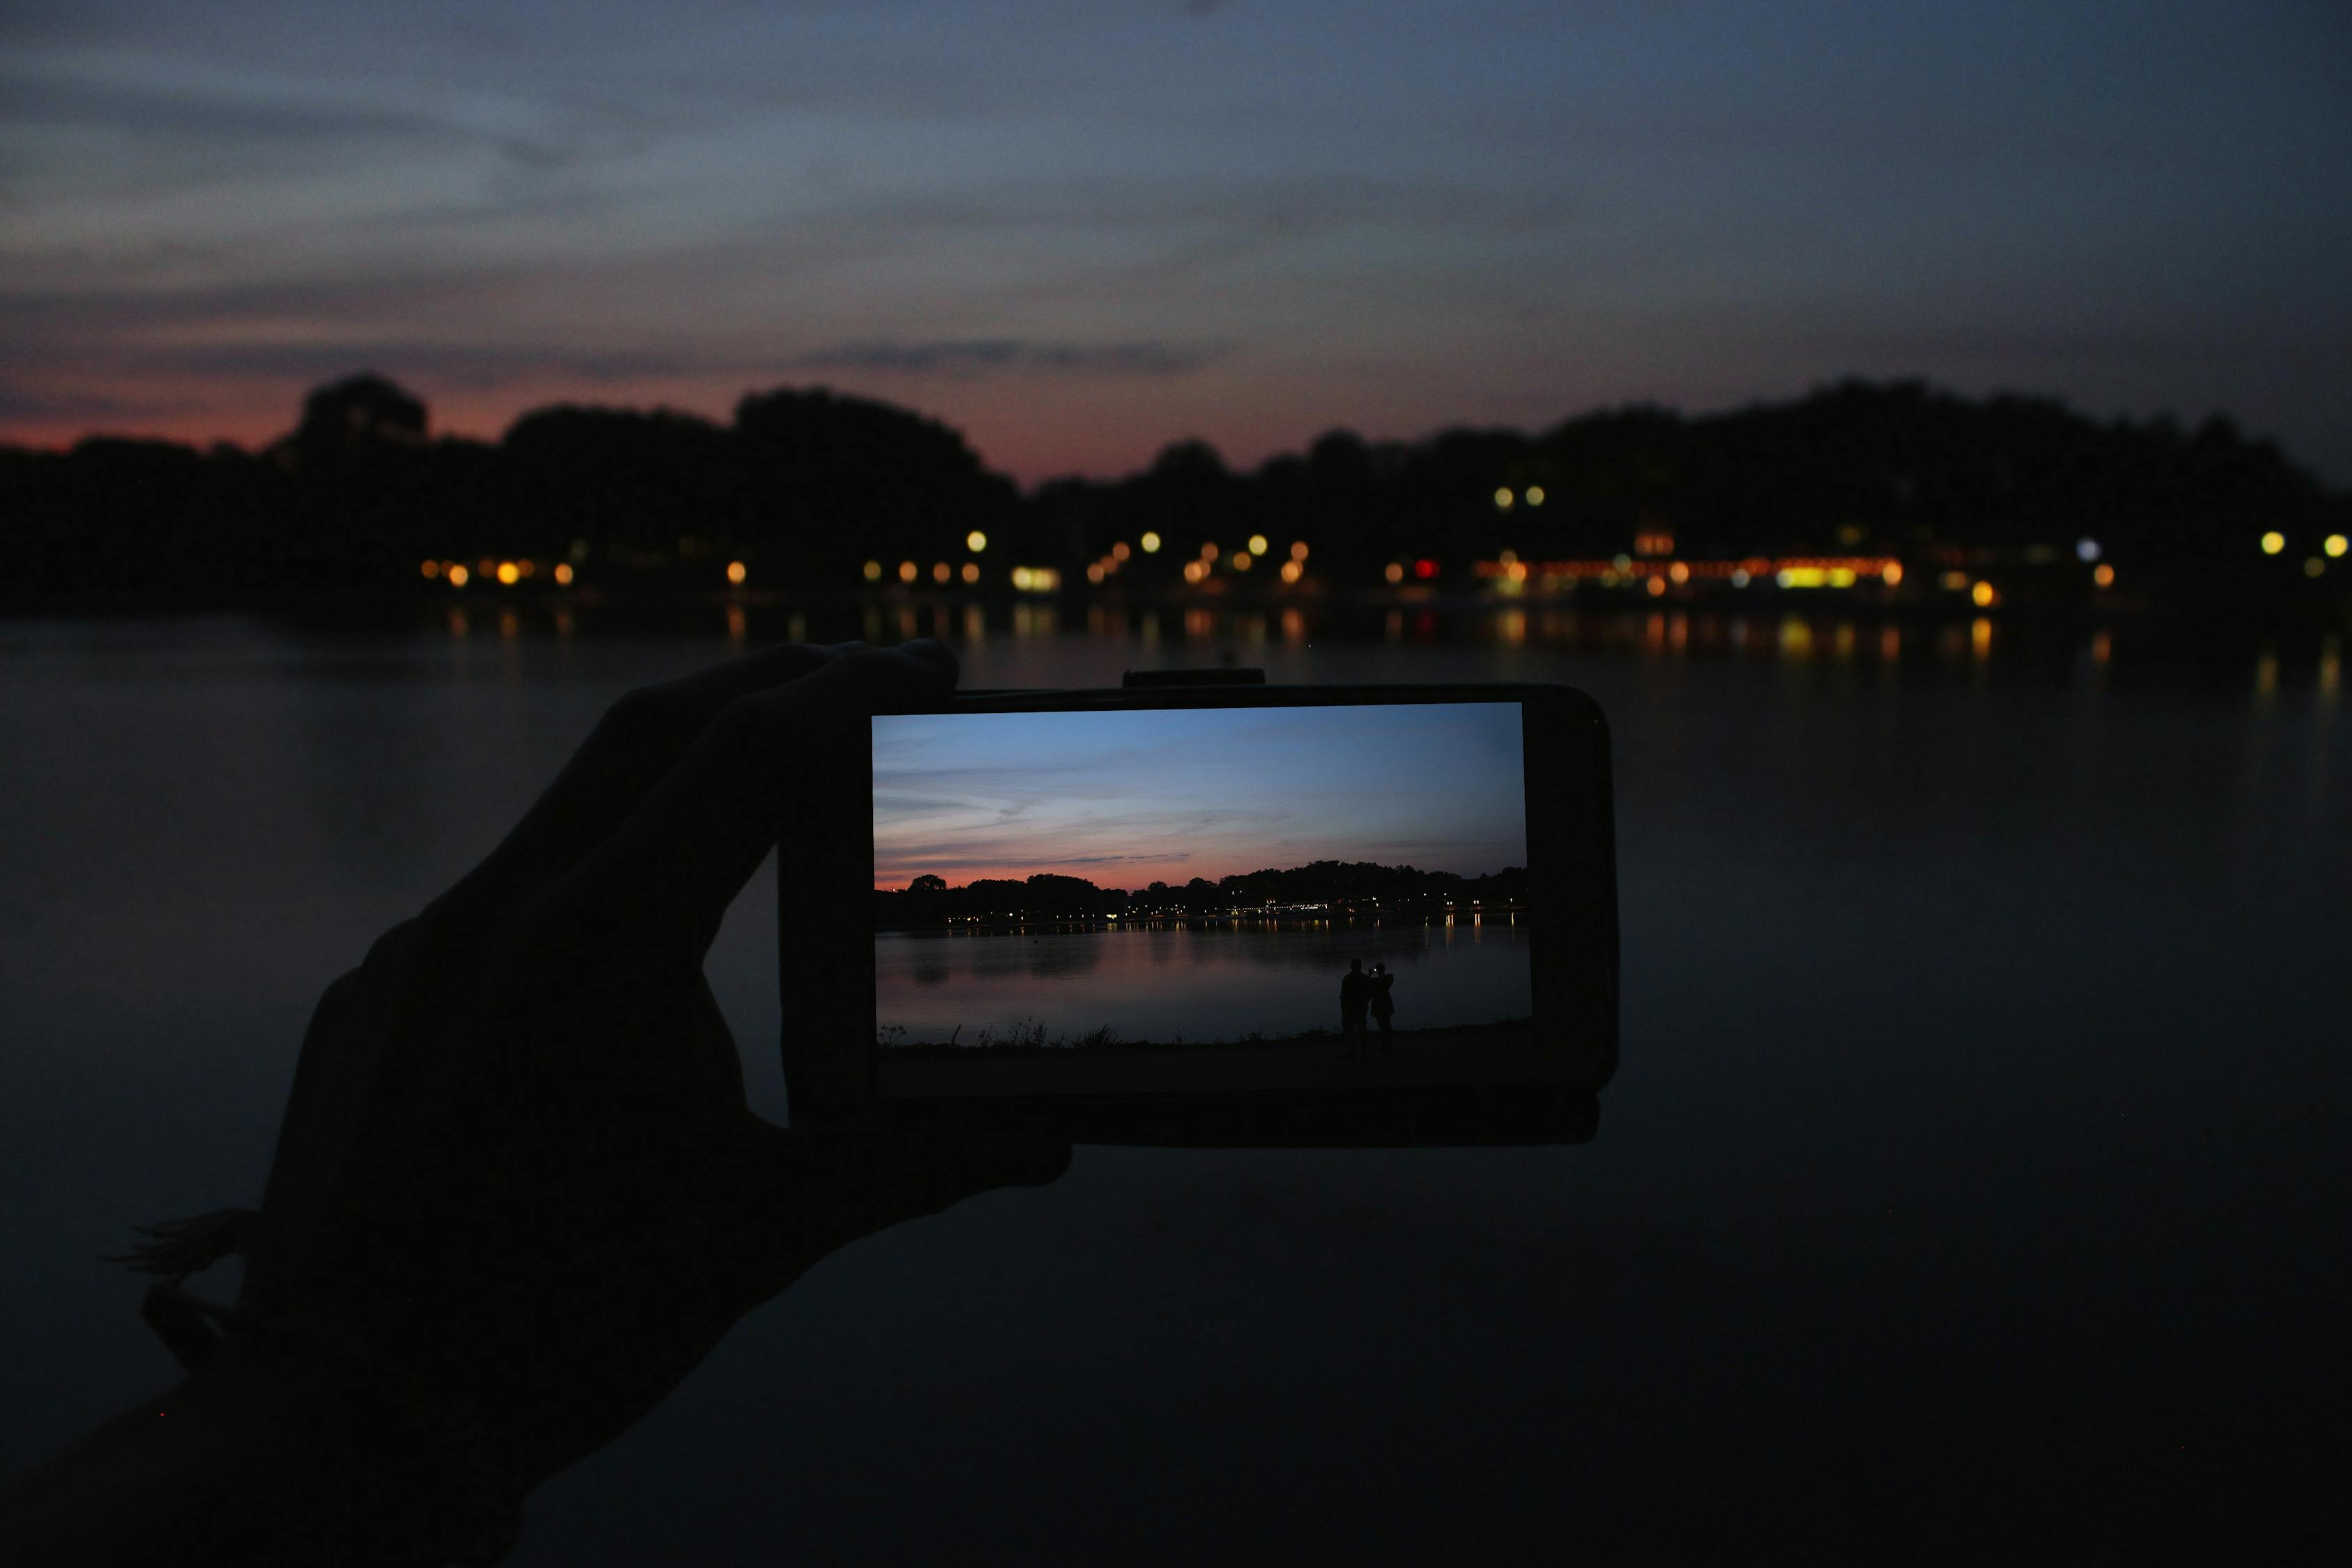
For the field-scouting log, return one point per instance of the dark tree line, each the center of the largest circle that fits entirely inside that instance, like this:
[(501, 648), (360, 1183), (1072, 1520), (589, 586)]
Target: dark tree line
[(808, 486), (1360, 885)]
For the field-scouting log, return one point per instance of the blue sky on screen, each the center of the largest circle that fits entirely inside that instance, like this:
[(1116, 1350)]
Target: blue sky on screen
[(1129, 798)]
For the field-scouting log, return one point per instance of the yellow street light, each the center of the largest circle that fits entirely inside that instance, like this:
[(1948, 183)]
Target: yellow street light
[(736, 572), (975, 541), (1151, 542), (2334, 544), (2274, 542), (1257, 544)]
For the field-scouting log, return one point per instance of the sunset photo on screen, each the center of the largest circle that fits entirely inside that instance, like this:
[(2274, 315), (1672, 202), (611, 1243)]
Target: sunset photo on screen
[(1334, 882)]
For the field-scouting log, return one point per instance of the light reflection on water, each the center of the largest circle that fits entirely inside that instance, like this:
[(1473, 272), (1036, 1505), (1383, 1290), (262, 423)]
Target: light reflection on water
[(1208, 983)]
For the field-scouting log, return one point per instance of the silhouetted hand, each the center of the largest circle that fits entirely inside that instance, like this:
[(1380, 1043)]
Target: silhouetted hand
[(518, 1189)]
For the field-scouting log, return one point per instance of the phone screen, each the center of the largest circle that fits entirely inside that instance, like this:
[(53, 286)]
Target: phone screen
[(1258, 895)]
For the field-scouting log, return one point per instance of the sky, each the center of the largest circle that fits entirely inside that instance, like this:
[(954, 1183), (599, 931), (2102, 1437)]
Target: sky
[(1125, 799), (1077, 232)]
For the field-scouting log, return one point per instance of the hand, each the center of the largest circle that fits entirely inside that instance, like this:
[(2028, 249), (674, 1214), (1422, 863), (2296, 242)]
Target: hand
[(517, 1173)]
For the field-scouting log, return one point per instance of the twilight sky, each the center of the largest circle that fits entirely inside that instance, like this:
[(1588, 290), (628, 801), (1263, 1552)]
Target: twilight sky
[(1078, 231), (1127, 799)]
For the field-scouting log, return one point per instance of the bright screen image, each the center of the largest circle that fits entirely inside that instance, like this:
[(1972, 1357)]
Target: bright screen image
[(1332, 882)]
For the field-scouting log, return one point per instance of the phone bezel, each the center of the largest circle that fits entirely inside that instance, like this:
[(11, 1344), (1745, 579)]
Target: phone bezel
[(826, 935)]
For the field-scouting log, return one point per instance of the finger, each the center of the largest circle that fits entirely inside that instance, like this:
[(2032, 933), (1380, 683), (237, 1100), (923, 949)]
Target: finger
[(669, 871), (633, 747)]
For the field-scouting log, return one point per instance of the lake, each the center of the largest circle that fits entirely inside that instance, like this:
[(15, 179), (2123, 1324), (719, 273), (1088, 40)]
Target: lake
[(1974, 1187)]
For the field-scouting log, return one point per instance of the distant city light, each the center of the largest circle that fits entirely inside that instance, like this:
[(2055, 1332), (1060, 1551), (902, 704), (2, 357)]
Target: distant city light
[(1257, 544), (873, 570), (1424, 568), (971, 572), (1151, 542), (2334, 544), (2274, 542), (1209, 551), (458, 575), (1503, 500), (1395, 572), (1119, 551), (908, 571), (508, 574), (941, 571), (1954, 580), (736, 572), (1241, 559), (564, 572), (1982, 595), (1290, 570), (1656, 587), (432, 569), (1739, 578), (2103, 575), (975, 541), (2314, 567), (1298, 550), (1195, 569), (1892, 574), (1535, 495), (2086, 550), (1679, 571), (1095, 571)]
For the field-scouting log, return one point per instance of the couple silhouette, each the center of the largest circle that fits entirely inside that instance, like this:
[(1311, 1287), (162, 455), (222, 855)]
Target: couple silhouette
[(1361, 992)]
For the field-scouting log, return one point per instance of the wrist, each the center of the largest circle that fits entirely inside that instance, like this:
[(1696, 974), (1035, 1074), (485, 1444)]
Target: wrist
[(268, 1454)]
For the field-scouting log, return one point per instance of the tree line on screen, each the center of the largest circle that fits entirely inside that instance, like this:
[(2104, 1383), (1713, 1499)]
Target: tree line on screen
[(1362, 886), (806, 485)]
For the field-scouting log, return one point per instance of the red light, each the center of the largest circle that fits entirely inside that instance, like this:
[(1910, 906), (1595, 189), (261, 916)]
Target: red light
[(1424, 568)]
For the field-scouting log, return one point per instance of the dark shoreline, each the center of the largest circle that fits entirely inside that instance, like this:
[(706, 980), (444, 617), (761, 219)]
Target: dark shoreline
[(935, 1051)]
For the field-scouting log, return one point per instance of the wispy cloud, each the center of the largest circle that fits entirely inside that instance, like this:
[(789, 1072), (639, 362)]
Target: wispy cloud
[(983, 356)]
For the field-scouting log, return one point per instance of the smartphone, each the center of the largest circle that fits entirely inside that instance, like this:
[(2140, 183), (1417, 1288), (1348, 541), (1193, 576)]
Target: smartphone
[(1207, 911)]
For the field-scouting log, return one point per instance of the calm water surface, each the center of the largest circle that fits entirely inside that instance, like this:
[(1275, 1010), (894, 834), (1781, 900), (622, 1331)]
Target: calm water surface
[(1974, 1187), (1199, 984)]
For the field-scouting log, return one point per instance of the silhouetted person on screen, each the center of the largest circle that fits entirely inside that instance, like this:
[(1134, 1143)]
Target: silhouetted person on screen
[(1378, 984), (1355, 993)]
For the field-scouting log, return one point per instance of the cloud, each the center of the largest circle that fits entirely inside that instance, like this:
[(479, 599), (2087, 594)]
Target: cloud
[(983, 356)]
